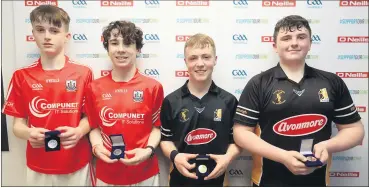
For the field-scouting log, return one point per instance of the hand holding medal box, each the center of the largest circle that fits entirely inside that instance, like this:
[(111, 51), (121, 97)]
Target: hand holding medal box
[(305, 149), (118, 146), (52, 141), (204, 166)]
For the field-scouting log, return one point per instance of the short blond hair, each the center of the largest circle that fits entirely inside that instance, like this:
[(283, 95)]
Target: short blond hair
[(200, 40)]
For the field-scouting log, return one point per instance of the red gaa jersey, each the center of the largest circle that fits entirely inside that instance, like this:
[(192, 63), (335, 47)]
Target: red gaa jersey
[(51, 99), (129, 108)]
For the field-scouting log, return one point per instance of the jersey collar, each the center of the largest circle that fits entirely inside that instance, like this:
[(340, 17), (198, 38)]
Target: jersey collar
[(213, 89), (279, 73), (65, 64)]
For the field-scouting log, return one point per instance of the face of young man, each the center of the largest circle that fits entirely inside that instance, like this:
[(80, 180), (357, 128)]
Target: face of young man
[(49, 38), (200, 63), (121, 55), (292, 46)]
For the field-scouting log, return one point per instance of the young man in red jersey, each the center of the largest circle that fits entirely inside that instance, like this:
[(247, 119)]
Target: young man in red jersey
[(47, 96), (125, 103)]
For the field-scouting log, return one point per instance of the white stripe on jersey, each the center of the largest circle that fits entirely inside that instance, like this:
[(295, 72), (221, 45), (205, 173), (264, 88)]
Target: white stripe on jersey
[(247, 116), (248, 109), (157, 111), (346, 114), (155, 119), (166, 135), (344, 107), (168, 130)]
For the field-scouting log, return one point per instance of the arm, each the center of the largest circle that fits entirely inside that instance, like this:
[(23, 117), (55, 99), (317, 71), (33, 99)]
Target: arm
[(154, 138), (348, 136), (245, 137), (34, 135), (167, 147)]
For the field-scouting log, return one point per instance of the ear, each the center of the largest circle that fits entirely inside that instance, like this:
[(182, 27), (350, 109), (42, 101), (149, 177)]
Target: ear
[(67, 37), (216, 60), (275, 47)]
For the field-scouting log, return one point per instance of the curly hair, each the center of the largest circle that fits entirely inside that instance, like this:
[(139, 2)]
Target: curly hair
[(288, 23), (130, 33)]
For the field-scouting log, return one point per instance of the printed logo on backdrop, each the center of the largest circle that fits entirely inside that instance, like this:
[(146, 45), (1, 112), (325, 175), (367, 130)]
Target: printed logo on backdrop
[(192, 3), (238, 91), (180, 56), (91, 56), (352, 39), (152, 38), (33, 55), (353, 21), (313, 21), (315, 39), (181, 73), (90, 20), (314, 3), (312, 57), (30, 38), (353, 3), (80, 38), (244, 158), (251, 56), (346, 158), (182, 38), (115, 3), (358, 92), (235, 173), (105, 72), (251, 21), (360, 108), (193, 20), (27, 20), (239, 74), (352, 57), (40, 2), (146, 56), (267, 39), (239, 39), (240, 4), (141, 20), (279, 3), (352, 74), (152, 4), (79, 4), (154, 73), (344, 174)]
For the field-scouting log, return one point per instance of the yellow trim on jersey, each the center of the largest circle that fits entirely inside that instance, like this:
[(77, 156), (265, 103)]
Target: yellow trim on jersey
[(257, 166), (328, 167)]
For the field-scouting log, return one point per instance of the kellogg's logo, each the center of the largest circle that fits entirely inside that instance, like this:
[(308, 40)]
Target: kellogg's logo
[(200, 136), (300, 125)]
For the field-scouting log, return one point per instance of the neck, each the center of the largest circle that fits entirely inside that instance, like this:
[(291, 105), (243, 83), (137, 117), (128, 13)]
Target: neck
[(123, 74), (53, 63), (199, 89), (293, 70)]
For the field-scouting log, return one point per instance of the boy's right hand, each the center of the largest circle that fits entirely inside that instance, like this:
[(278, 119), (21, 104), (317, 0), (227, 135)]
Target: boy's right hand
[(37, 137), (102, 153), (294, 161), (182, 165)]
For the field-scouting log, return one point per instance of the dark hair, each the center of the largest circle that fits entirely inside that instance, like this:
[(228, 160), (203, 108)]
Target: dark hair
[(130, 33), (289, 23), (52, 14)]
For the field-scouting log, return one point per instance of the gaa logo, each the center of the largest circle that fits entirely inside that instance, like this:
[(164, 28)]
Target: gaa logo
[(80, 37), (235, 172)]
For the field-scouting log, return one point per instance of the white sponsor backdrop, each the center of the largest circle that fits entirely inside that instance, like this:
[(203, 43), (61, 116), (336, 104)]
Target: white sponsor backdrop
[(238, 28)]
